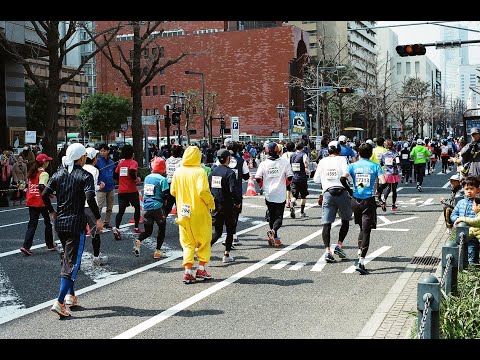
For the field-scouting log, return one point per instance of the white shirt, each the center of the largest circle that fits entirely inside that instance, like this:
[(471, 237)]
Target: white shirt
[(94, 171), (329, 171), (274, 174), (172, 164)]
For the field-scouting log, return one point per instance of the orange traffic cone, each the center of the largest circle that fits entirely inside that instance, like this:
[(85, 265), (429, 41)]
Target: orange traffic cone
[(132, 220), (174, 210), (251, 187)]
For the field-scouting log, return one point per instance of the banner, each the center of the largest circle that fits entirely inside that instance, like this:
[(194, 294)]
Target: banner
[(298, 124)]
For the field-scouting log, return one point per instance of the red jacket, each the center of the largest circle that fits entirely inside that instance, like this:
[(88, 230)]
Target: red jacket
[(34, 195)]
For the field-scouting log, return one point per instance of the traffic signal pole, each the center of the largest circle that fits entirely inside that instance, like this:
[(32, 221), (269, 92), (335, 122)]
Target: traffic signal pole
[(419, 49)]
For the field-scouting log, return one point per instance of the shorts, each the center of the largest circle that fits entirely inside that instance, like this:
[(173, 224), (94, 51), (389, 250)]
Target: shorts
[(333, 203), (365, 209), (392, 179), (299, 190)]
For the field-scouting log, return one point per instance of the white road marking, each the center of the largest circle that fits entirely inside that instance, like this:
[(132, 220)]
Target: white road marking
[(9, 298), (400, 188), (320, 264), (398, 221), (448, 172), (368, 258), (429, 201), (387, 229), (243, 218), (297, 266), (447, 184), (280, 265), (384, 219)]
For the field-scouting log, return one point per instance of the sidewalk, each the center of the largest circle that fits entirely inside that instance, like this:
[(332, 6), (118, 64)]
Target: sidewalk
[(394, 319)]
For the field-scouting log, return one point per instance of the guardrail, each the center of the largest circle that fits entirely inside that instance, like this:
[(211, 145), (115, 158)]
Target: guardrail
[(430, 290)]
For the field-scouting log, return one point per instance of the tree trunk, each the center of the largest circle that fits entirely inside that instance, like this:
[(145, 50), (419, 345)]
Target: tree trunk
[(137, 130)]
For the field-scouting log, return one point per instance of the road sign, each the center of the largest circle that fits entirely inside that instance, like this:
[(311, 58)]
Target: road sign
[(235, 126), (124, 127), (129, 120), (149, 119), (31, 137), (318, 142)]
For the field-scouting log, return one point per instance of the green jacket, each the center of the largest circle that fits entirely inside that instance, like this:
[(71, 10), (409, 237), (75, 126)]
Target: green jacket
[(474, 223), (420, 154)]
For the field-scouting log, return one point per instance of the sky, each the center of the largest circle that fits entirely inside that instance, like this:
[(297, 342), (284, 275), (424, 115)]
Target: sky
[(429, 33)]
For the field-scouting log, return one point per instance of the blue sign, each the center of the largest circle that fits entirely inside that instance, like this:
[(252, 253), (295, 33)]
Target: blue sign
[(471, 124), (298, 124), (235, 125)]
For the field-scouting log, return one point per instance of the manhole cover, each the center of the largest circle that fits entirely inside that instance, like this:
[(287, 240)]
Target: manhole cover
[(425, 260)]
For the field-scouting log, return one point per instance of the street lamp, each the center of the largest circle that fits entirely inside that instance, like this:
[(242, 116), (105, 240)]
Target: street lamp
[(65, 98), (324, 68), (188, 72), (181, 98), (281, 112)]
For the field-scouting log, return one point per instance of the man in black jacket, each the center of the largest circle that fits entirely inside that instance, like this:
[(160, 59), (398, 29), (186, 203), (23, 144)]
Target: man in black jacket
[(222, 181)]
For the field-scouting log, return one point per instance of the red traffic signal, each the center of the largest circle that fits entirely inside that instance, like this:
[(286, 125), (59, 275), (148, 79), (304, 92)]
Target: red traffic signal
[(345, 90), (411, 50)]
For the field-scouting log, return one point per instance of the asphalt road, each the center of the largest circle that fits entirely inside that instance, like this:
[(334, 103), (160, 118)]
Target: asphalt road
[(266, 293)]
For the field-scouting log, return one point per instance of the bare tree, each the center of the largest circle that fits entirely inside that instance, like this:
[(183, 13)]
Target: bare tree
[(192, 103), (210, 110), (137, 72), (55, 48), (417, 91)]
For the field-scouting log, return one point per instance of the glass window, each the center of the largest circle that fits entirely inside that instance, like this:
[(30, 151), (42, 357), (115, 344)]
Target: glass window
[(163, 90), (155, 90), (154, 51), (147, 90), (417, 67), (155, 111), (145, 53), (147, 112), (399, 68), (407, 68)]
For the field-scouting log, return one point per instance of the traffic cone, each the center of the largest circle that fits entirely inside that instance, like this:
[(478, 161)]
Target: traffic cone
[(174, 210), (132, 220), (251, 188)]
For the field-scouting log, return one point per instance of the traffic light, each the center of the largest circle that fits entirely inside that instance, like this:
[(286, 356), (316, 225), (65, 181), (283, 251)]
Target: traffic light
[(175, 118), (411, 50), (345, 90)]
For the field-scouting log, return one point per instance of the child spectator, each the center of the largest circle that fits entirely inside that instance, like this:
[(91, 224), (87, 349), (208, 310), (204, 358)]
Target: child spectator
[(474, 231)]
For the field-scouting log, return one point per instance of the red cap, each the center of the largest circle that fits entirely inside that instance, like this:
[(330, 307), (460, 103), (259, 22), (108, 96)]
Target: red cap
[(41, 158), (159, 165)]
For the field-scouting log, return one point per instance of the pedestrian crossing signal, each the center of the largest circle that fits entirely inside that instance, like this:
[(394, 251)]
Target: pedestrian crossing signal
[(411, 50), (345, 90)]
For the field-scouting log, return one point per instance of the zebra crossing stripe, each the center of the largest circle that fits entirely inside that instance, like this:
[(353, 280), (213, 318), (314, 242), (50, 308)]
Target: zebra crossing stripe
[(368, 258), (280, 265), (9, 298), (297, 266)]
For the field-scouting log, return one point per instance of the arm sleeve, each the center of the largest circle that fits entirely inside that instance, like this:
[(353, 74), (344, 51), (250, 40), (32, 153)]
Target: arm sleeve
[(317, 177), (49, 189), (92, 204), (344, 182)]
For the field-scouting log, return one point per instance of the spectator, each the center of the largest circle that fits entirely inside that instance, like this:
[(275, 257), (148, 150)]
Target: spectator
[(19, 180)]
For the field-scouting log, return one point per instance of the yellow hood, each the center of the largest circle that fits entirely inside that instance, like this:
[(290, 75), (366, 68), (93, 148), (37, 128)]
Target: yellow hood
[(192, 156)]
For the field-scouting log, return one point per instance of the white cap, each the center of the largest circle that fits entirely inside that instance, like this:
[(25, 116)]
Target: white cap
[(369, 141), (92, 152), (455, 177), (333, 144), (405, 144), (419, 141), (342, 138), (74, 152)]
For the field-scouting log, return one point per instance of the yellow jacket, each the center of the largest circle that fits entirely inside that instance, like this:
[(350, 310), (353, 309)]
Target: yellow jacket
[(474, 224), (377, 154), (193, 198)]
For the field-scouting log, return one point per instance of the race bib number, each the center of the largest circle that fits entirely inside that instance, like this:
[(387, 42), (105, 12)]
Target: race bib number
[(274, 171), (295, 166), (397, 159), (170, 170), (362, 179), (124, 171), (404, 156), (148, 189), (432, 156), (185, 210), (420, 155), (331, 174), (216, 182), (389, 161)]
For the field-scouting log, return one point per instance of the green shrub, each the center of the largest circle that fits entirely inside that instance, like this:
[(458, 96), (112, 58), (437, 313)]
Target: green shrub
[(143, 172)]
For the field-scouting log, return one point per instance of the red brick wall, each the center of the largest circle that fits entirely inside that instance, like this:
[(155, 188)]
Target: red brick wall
[(247, 69)]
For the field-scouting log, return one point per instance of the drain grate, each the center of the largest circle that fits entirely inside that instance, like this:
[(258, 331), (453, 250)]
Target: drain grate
[(425, 260)]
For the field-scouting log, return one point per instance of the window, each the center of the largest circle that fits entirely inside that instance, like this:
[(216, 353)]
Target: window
[(155, 111), (163, 90), (154, 51), (161, 51), (407, 68), (147, 112), (145, 53), (417, 67), (155, 90), (399, 68), (147, 90)]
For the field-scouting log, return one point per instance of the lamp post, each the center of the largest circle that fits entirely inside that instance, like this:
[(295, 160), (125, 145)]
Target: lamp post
[(324, 68), (281, 112), (65, 98), (181, 98), (188, 72)]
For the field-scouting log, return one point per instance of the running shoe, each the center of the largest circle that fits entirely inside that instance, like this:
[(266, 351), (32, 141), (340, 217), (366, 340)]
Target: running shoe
[(361, 269), (157, 254), (26, 251), (228, 259), (277, 242), (188, 279), (60, 309), (107, 226), (419, 188), (394, 207), (100, 259), (71, 301), (203, 274), (292, 212), (235, 240), (116, 234), (136, 247), (329, 258), (339, 252), (270, 237), (53, 248), (303, 215), (138, 231)]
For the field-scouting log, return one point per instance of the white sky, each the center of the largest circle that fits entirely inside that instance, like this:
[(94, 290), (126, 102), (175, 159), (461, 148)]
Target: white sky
[(429, 33)]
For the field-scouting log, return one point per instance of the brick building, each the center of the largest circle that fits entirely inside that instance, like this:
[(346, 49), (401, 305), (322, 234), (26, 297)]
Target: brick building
[(247, 68)]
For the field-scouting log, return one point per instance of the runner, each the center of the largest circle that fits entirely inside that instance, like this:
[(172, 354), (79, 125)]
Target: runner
[(420, 154), (392, 176), (335, 198), (378, 151), (405, 163), (172, 163), (287, 155), (299, 184)]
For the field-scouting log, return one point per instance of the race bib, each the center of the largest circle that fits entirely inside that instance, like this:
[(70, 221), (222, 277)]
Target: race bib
[(331, 174), (216, 182), (148, 189), (389, 161), (170, 170), (420, 155), (432, 156), (404, 156), (362, 179), (295, 166), (185, 210), (124, 171), (397, 159), (274, 171)]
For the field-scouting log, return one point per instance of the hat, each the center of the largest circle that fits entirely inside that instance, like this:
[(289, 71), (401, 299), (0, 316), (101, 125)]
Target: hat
[(222, 154), (228, 141), (405, 144), (74, 152), (334, 145), (474, 131), (419, 141), (41, 158), (455, 177), (369, 141), (342, 138), (92, 153), (159, 165), (272, 148)]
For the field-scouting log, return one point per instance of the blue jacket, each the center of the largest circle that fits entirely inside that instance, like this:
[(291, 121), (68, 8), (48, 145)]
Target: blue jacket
[(463, 208), (106, 169)]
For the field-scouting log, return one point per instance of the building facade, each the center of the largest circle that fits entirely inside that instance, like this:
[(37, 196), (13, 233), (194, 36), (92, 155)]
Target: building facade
[(363, 48), (467, 77)]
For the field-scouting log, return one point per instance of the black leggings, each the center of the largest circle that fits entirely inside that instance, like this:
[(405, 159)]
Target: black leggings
[(406, 172), (444, 163), (419, 173), (341, 236), (157, 216), (219, 218), (393, 188), (276, 215), (124, 200)]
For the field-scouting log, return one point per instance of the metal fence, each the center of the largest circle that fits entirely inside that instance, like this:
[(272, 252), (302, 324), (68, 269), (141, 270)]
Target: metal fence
[(430, 290)]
